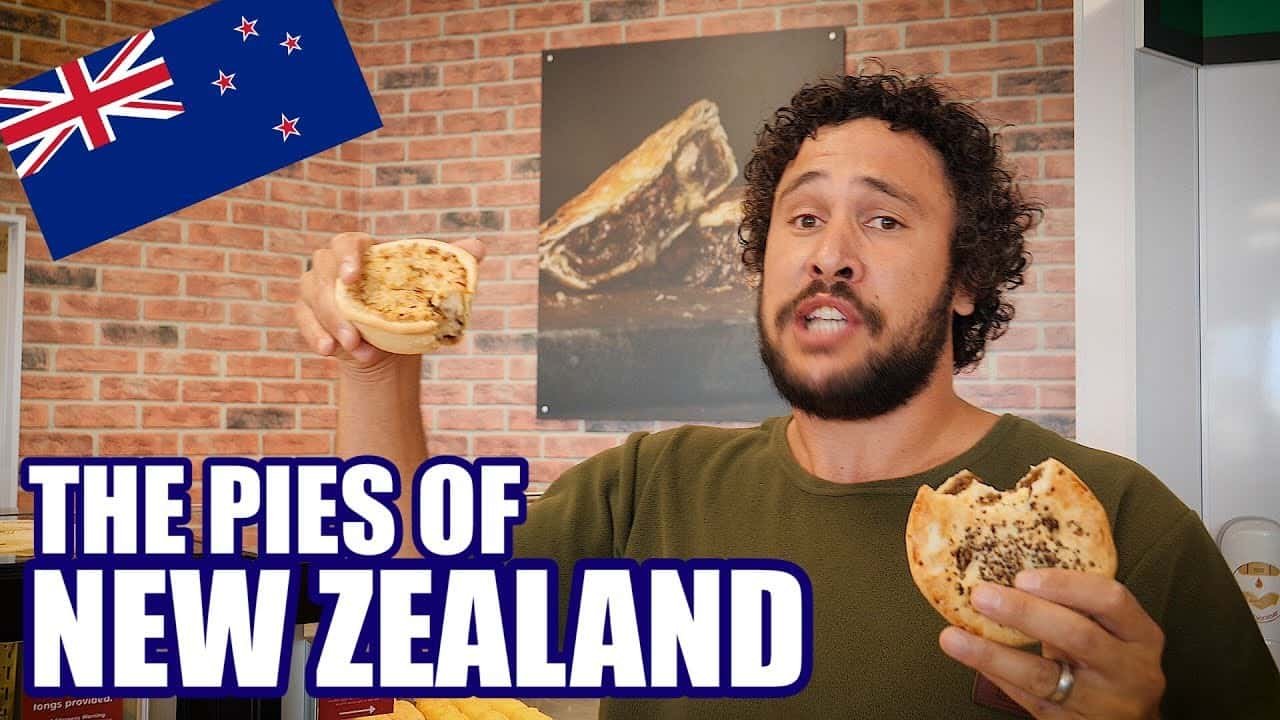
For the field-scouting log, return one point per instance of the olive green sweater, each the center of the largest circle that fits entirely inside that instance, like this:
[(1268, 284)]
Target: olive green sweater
[(713, 492)]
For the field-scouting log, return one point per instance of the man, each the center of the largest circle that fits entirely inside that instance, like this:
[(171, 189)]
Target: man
[(886, 233)]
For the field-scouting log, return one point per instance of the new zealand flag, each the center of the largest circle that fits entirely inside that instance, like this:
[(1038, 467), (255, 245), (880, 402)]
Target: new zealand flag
[(180, 113)]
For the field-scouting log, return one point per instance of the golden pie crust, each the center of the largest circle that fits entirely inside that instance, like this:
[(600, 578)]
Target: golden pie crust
[(966, 533), (413, 295)]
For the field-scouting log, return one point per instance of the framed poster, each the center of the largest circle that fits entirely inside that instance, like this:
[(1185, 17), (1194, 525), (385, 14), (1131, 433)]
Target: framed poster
[(644, 309)]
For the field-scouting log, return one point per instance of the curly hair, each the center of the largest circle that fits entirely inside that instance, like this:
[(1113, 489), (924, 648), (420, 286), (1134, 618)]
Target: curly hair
[(988, 251)]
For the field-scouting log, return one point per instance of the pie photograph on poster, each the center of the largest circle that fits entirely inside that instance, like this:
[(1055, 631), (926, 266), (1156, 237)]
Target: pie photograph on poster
[(645, 311)]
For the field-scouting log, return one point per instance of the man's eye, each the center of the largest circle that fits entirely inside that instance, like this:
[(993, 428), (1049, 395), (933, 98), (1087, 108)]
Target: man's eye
[(884, 222), (806, 221)]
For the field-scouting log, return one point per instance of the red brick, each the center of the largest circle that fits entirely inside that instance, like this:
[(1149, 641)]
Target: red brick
[(222, 338), (999, 112), (585, 37), (1047, 367), (37, 303), (739, 22), (480, 71), (97, 306), (186, 258), (1060, 337), (56, 387), (527, 117), (137, 388), (319, 418), (522, 219), (405, 224), (522, 318), (1057, 109), (261, 315), (332, 221), (252, 190), (290, 444), (282, 291), (470, 171), (419, 7), (820, 16), (224, 287), (1039, 82), (87, 8), (93, 34), (179, 363), (32, 444), (986, 7), (96, 415), (296, 392), (524, 268), (446, 49), (525, 446), (1059, 53), (525, 419), (214, 209), (1035, 26), (187, 310), (860, 40), (1056, 308), (382, 54), (891, 11), (971, 86), (661, 29), (113, 252), (62, 332), (273, 216), (446, 99), (1058, 194), (504, 394), (337, 173), (477, 22), (318, 368), (684, 7), (994, 57), (440, 197), (914, 63), (469, 419), (1001, 396), (1059, 280), (138, 282), (507, 194), (469, 368), (266, 264), (230, 443), (181, 416), (1049, 251), (151, 443), (1058, 396), (551, 14), (1059, 166), (466, 122), (443, 393), (512, 44), (219, 391), (261, 366), (508, 94), (139, 334), (442, 444), (409, 28), (33, 415), (436, 148), (46, 54), (1026, 167), (543, 473), (526, 143), (143, 15), (577, 446), (529, 66), (302, 194), (603, 11), (96, 360)]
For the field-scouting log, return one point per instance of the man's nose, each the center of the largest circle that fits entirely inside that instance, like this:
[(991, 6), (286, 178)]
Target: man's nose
[(833, 256)]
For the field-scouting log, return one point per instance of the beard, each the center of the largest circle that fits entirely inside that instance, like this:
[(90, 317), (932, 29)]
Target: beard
[(885, 381)]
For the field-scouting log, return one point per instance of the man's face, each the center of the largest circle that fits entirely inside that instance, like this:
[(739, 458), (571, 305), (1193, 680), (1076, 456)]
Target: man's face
[(855, 307)]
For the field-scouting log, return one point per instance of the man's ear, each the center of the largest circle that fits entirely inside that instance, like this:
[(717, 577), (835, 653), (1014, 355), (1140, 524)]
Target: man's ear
[(962, 302)]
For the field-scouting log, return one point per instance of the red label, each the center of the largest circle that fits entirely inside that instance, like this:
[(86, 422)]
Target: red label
[(103, 708), (335, 709)]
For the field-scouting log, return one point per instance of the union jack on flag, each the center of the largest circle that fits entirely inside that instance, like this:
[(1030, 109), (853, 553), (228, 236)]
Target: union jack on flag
[(180, 113), (86, 104)]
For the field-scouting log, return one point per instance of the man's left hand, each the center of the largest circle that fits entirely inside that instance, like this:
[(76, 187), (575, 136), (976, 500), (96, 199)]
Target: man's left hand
[(1089, 621)]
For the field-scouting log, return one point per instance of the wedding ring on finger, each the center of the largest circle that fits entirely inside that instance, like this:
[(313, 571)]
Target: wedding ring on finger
[(1066, 681)]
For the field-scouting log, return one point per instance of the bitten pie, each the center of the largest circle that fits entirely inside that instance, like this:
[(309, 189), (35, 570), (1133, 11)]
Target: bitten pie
[(412, 296), (965, 533)]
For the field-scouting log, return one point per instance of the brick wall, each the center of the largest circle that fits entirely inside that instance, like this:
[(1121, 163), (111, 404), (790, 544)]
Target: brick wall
[(177, 337)]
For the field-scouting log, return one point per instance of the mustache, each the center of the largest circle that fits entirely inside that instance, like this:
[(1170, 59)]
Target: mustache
[(870, 314)]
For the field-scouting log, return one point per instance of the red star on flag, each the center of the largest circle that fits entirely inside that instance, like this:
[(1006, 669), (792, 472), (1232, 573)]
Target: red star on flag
[(287, 127), (224, 82), (291, 42), (246, 28)]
